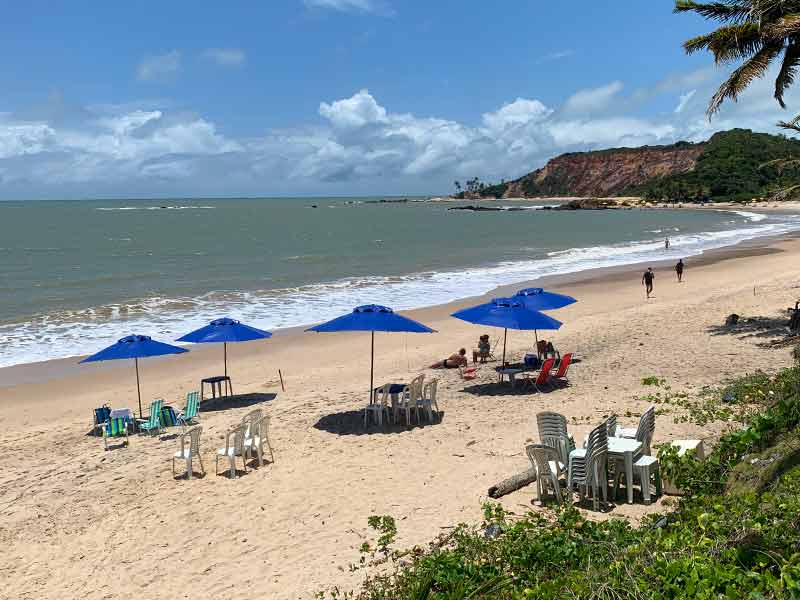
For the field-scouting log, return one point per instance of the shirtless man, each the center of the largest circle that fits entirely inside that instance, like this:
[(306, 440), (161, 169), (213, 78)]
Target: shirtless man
[(647, 281), (453, 361)]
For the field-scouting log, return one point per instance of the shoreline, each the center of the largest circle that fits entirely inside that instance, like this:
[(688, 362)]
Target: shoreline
[(68, 367), (472, 283)]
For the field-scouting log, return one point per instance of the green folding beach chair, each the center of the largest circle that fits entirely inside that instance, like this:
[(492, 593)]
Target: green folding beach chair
[(115, 428), (152, 424), (189, 414)]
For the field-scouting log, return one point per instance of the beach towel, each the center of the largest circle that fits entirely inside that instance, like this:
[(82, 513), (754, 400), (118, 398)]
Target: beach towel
[(168, 417)]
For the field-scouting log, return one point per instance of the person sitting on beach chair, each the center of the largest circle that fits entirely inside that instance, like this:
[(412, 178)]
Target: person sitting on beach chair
[(546, 349), (484, 351), (459, 359)]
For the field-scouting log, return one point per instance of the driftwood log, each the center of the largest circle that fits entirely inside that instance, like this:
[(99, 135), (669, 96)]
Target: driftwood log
[(512, 484)]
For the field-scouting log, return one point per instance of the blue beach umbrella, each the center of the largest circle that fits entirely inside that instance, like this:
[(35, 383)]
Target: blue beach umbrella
[(372, 318), (223, 331), (135, 347), (539, 299), (508, 313)]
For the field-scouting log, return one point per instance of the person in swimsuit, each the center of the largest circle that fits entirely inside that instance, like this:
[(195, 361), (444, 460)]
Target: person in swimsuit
[(453, 361), (484, 349), (679, 270), (647, 281)]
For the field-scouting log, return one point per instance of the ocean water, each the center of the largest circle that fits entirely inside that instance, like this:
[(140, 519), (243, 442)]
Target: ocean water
[(77, 275)]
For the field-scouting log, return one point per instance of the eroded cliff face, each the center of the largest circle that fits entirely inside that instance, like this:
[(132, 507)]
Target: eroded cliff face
[(605, 172)]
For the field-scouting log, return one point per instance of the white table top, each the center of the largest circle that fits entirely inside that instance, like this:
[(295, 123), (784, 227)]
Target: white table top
[(622, 445)]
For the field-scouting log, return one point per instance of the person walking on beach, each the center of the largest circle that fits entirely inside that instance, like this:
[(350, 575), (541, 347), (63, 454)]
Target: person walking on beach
[(679, 270), (647, 281)]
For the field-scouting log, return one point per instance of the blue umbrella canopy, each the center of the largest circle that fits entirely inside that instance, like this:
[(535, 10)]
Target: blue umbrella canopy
[(135, 347), (222, 331), (540, 299), (508, 313), (372, 318)]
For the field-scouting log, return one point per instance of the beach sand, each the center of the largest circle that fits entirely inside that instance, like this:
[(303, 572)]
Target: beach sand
[(79, 522)]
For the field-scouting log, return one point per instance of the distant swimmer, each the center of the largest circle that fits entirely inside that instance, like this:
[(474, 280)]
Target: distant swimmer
[(679, 270), (666, 243), (647, 281)]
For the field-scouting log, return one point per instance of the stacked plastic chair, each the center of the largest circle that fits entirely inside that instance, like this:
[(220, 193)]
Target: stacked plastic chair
[(588, 466)]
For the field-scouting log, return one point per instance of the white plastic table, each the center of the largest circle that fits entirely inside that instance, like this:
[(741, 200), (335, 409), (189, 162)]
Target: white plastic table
[(626, 449)]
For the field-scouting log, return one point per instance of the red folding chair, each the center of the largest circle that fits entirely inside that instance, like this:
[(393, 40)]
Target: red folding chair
[(543, 378), (563, 367)]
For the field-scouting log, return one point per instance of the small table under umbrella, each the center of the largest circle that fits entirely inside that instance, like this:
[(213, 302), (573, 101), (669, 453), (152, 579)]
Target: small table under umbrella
[(372, 318), (135, 347), (222, 331)]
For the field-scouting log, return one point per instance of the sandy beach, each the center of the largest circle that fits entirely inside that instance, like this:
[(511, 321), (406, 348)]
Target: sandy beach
[(79, 522)]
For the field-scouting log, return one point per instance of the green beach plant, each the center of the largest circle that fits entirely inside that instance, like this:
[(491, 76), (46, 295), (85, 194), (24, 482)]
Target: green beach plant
[(714, 544)]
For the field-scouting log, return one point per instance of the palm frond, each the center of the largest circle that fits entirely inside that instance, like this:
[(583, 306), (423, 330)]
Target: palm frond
[(793, 125), (785, 193), (732, 11), (787, 26), (785, 78), (752, 69), (728, 43), (781, 164)]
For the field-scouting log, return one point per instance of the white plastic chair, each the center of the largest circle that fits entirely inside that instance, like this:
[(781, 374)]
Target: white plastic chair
[(379, 406), (545, 459), (234, 446), (553, 432), (645, 468), (256, 438), (588, 466), (643, 432), (409, 400), (187, 451), (427, 401)]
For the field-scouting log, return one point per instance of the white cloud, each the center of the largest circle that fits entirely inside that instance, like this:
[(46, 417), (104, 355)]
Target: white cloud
[(162, 67), (225, 57), (518, 113), (684, 100), (557, 55), (347, 5), (359, 110), (593, 99), (360, 145)]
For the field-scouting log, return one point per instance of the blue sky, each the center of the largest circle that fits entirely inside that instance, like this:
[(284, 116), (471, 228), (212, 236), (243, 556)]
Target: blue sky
[(299, 97)]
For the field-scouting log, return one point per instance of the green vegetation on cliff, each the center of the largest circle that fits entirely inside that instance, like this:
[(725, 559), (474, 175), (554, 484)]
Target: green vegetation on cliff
[(735, 165)]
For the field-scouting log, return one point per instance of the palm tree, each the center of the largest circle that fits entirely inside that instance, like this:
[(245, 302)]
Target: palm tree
[(755, 33)]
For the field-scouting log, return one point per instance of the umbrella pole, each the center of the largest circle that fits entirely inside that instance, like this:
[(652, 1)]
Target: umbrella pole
[(503, 364), (536, 335), (138, 389), (225, 356), (372, 368)]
